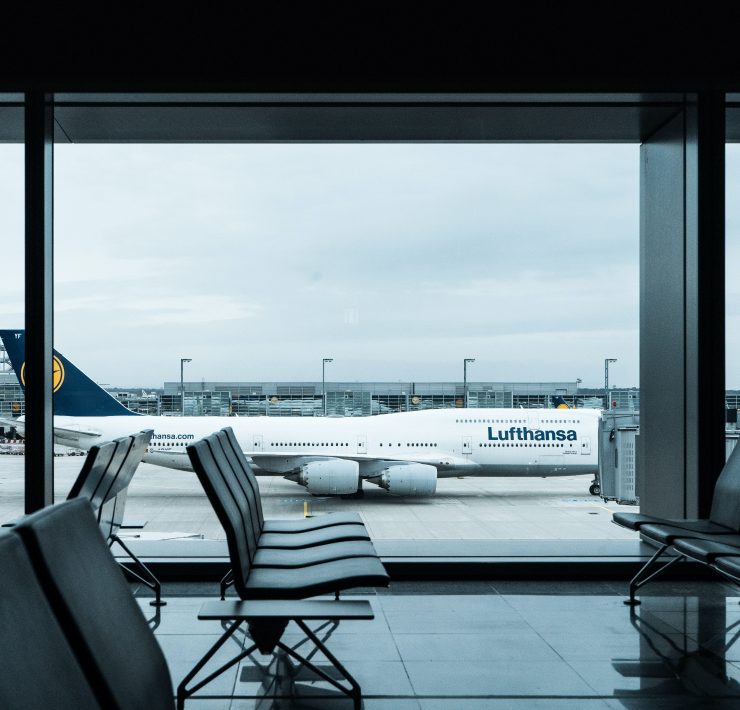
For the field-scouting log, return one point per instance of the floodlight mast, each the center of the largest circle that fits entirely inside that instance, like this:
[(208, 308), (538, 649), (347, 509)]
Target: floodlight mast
[(465, 379), (323, 380), (183, 360)]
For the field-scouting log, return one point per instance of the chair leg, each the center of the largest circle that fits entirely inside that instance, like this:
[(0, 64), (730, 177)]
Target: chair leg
[(354, 691), (640, 579), (144, 574), (183, 692), (226, 581)]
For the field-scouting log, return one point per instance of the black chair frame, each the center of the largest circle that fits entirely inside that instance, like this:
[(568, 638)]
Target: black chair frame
[(265, 621)]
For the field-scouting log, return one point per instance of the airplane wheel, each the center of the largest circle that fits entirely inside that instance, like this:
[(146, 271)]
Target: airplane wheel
[(595, 489)]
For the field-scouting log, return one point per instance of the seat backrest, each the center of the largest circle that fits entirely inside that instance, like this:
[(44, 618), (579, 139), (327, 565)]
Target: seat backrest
[(130, 463), (233, 483), (39, 667), (123, 451), (246, 470), (252, 500), (113, 506), (726, 498), (226, 510), (95, 608), (93, 470)]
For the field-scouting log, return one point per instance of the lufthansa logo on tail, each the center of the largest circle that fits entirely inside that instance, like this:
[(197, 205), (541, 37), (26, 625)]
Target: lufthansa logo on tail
[(57, 374)]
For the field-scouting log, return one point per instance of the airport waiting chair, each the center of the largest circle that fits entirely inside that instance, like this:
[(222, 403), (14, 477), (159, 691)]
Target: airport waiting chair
[(724, 513), (104, 480), (104, 627), (283, 543), (268, 589), (722, 527), (244, 541), (39, 670)]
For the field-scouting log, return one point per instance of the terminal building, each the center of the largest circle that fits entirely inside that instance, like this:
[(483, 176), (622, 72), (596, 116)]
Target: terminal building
[(466, 623)]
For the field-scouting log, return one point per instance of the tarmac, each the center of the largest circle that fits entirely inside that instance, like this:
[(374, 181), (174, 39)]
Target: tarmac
[(164, 504)]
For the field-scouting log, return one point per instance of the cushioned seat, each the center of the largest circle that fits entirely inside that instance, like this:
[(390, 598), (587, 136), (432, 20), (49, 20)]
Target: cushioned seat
[(323, 578), (729, 565), (708, 550), (634, 521), (303, 557), (305, 524), (311, 538), (666, 534)]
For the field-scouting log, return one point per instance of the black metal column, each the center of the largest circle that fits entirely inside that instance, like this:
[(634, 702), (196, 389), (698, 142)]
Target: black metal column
[(682, 310), (705, 302), (39, 433)]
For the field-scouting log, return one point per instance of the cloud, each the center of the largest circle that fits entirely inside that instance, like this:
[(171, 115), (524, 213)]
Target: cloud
[(399, 259)]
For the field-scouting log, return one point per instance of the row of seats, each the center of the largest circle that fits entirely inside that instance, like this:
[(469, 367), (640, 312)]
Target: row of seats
[(280, 559), (103, 480), (78, 636), (713, 541)]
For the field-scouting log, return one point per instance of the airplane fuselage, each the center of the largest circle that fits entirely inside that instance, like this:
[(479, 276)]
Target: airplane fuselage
[(481, 442)]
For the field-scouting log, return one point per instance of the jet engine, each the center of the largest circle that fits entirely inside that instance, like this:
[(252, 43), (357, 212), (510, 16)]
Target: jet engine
[(331, 477), (411, 479)]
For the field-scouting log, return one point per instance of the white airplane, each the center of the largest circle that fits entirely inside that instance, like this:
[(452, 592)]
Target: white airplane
[(403, 452)]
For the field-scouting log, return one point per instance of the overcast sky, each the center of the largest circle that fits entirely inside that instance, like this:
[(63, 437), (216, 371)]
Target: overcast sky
[(396, 260)]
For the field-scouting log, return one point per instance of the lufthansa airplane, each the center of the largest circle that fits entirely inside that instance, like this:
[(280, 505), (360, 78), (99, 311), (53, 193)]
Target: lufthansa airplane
[(402, 452)]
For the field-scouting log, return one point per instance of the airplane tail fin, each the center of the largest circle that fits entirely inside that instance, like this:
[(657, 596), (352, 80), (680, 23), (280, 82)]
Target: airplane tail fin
[(75, 394), (560, 403)]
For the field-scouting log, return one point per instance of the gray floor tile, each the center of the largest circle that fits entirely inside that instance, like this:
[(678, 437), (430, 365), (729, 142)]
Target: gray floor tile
[(376, 677), (182, 652), (463, 648), (690, 677), (354, 647), (399, 588), (515, 704), (516, 646), (186, 622), (482, 678), (550, 588), (671, 703), (586, 646), (455, 622)]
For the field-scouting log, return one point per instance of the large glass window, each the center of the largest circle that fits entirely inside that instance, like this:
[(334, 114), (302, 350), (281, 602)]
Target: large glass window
[(244, 267), (732, 286), (12, 313)]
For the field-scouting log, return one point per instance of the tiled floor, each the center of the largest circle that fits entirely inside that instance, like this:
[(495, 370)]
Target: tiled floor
[(439, 645)]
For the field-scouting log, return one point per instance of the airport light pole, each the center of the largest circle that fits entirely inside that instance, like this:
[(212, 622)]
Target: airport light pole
[(323, 380), (183, 360), (606, 380), (465, 379)]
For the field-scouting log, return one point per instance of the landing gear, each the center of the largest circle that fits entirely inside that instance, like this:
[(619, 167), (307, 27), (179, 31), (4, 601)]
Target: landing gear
[(595, 489)]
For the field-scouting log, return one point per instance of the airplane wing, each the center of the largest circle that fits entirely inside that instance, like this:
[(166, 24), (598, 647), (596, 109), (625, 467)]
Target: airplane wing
[(71, 436), (285, 462), (9, 422), (77, 437)]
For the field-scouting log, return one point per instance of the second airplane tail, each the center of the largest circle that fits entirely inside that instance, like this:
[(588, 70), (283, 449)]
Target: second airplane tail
[(75, 394)]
